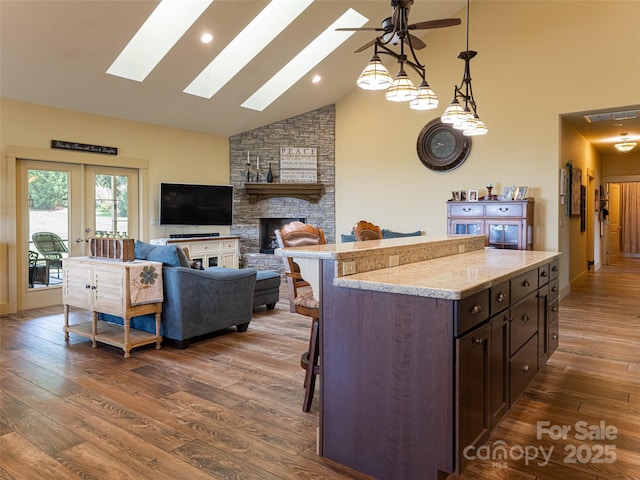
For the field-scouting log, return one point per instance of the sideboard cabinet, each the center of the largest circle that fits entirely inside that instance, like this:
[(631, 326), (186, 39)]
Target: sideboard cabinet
[(505, 224)]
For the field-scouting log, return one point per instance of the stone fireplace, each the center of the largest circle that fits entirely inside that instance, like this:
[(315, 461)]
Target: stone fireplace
[(255, 220)]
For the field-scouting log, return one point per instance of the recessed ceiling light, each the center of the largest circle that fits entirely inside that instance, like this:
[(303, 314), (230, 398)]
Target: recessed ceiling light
[(206, 38), (266, 26), (316, 79), (309, 57), (157, 35)]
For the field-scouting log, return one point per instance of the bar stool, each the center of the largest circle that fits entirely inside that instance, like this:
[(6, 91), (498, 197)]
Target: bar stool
[(302, 300)]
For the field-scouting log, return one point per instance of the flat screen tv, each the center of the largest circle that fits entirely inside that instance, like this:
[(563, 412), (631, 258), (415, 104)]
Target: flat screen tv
[(191, 204)]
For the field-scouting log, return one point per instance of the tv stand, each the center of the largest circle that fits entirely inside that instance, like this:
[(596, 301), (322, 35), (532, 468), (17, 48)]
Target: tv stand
[(211, 251), (194, 235)]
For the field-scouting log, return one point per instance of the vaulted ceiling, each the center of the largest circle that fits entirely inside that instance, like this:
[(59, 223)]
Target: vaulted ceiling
[(57, 52)]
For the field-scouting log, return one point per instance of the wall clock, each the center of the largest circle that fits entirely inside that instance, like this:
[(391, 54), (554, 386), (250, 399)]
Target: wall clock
[(442, 147)]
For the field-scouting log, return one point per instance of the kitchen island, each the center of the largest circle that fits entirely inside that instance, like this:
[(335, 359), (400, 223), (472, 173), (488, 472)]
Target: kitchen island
[(421, 360)]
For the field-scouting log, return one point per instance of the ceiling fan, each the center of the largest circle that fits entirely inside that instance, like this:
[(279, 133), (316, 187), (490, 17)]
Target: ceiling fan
[(396, 27)]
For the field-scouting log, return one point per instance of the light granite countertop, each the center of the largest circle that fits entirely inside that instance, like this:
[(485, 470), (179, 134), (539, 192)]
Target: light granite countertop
[(451, 277)]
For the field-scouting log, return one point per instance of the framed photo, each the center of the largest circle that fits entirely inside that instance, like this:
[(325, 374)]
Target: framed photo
[(472, 195), (455, 195), (507, 193), (520, 193), (463, 195), (576, 182)]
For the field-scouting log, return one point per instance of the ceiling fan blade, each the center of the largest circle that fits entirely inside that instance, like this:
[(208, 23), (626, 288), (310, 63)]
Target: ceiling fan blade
[(365, 46), (416, 43), (443, 22), (361, 29)]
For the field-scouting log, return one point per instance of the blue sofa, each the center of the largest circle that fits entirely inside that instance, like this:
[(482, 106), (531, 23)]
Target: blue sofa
[(196, 302)]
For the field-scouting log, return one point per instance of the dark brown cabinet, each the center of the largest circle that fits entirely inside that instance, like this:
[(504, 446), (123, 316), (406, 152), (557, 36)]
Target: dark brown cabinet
[(473, 396), (503, 336)]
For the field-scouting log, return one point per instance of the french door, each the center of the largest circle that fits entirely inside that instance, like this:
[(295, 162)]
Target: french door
[(60, 206)]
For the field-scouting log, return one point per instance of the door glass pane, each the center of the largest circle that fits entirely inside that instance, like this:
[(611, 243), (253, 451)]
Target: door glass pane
[(111, 201), (48, 226)]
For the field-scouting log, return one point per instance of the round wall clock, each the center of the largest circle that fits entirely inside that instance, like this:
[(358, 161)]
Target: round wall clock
[(442, 147)]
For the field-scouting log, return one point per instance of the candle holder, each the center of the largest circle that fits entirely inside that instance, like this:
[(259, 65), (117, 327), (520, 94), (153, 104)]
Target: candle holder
[(258, 175)]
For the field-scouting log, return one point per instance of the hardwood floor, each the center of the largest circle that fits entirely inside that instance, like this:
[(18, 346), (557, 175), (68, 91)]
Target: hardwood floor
[(230, 407)]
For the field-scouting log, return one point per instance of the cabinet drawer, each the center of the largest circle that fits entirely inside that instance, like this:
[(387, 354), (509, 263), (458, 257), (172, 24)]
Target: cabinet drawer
[(504, 210), (543, 275), (554, 289), (523, 366), (553, 336), (471, 311), (500, 297), (554, 307), (465, 210), (204, 248), (524, 284), (554, 269), (524, 322), (229, 244)]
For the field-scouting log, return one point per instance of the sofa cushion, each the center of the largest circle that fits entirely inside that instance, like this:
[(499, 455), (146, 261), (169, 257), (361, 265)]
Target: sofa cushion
[(345, 238), (392, 234)]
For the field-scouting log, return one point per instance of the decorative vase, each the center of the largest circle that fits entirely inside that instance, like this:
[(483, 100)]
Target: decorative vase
[(269, 174)]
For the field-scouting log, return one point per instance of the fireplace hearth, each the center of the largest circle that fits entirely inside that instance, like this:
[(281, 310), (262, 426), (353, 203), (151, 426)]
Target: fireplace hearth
[(268, 226)]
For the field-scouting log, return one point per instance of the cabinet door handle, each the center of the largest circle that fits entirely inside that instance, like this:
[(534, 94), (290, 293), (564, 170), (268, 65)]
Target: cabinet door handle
[(554, 269), (476, 309), (554, 336), (543, 273), (87, 286), (525, 368), (500, 298), (525, 318), (554, 289), (93, 287), (525, 283), (554, 309), (465, 209), (508, 319), (478, 340), (504, 209)]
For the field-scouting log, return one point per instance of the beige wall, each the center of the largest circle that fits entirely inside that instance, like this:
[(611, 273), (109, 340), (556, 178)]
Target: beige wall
[(172, 155), (536, 61)]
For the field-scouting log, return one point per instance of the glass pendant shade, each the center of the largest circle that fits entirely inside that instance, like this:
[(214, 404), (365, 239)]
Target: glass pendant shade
[(468, 123), (426, 99), (454, 113), (625, 146), (375, 76), (403, 89), (480, 128)]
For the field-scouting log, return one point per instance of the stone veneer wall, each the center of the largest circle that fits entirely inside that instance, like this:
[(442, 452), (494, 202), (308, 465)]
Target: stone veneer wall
[(311, 129)]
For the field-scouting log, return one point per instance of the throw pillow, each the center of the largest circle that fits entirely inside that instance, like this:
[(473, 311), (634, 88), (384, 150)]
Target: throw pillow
[(141, 249)]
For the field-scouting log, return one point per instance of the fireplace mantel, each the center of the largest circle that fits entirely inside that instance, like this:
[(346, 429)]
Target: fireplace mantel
[(304, 191)]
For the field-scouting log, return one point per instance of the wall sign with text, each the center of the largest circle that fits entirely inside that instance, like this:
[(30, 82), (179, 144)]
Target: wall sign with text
[(298, 165)]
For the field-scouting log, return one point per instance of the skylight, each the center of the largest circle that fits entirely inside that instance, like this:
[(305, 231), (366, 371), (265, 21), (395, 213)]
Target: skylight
[(266, 26), (308, 58), (159, 33)]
